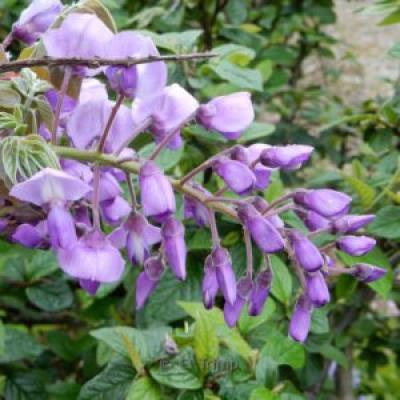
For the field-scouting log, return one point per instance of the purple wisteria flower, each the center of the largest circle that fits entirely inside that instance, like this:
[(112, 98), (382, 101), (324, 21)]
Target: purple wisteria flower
[(260, 292), (288, 157), (222, 262), (313, 221), (80, 35), (32, 236), (367, 273), (232, 311), (262, 173), (237, 176), (317, 289), (138, 236), (229, 115), (326, 202), (35, 20), (305, 252), (142, 80), (261, 206), (156, 193), (148, 280), (356, 245), (264, 234), (173, 243), (301, 319), (209, 284), (87, 122), (351, 223), (92, 258)]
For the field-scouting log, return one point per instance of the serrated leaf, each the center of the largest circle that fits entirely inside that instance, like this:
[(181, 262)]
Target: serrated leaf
[(206, 345), (144, 389), (180, 372), (112, 383), (54, 295), (365, 192)]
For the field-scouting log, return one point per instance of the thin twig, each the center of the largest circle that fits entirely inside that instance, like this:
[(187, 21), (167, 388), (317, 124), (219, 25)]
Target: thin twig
[(98, 62)]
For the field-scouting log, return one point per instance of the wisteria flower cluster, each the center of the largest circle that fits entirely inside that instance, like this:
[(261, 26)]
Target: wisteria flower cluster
[(76, 202)]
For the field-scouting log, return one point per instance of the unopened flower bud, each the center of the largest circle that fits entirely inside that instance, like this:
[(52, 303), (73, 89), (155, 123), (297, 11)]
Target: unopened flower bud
[(89, 286), (260, 292), (209, 284), (327, 202), (232, 311), (301, 319), (288, 157), (173, 241), (351, 223), (312, 220), (264, 234), (317, 289), (305, 252), (367, 273), (229, 115), (356, 245)]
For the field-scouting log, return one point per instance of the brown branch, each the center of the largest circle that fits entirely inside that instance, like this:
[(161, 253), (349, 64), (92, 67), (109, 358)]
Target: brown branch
[(97, 62)]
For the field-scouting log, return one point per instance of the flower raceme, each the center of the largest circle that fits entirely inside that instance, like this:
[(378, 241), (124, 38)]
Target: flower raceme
[(74, 204)]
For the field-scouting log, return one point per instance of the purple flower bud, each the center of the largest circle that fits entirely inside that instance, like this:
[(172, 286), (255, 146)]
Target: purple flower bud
[(92, 258), (241, 154), (141, 80), (35, 20), (174, 108), (173, 241), (327, 202), (301, 319), (209, 284), (312, 220), (115, 210), (305, 252), (367, 273), (265, 235), (89, 286), (261, 206), (61, 227), (351, 223), (195, 209), (156, 193), (225, 275), (232, 311), (148, 280), (237, 176), (50, 186), (262, 173), (260, 292), (229, 115), (138, 236), (29, 236), (80, 35), (356, 245), (317, 289), (288, 157)]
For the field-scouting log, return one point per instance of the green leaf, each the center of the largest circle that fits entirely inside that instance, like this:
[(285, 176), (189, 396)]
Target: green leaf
[(22, 385), (231, 338), (386, 223), (162, 305), (112, 383), (144, 389), (51, 296), (180, 372), (283, 350), (177, 42), (319, 322), (206, 345), (63, 390), (2, 338), (148, 342), (262, 393), (167, 159), (9, 98), (243, 78), (255, 131), (282, 281), (234, 53), (393, 18), (247, 323), (19, 345), (365, 192)]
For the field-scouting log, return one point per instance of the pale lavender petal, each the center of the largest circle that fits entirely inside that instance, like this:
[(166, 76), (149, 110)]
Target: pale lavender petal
[(61, 228)]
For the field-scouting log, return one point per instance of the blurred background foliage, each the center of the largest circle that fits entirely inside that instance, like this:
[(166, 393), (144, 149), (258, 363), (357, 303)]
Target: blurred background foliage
[(58, 343)]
